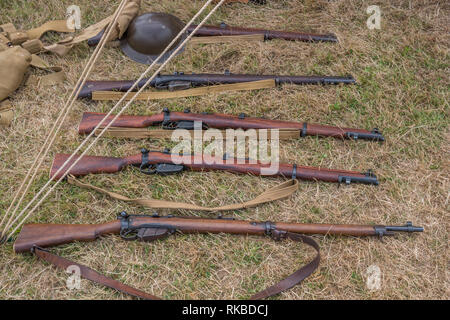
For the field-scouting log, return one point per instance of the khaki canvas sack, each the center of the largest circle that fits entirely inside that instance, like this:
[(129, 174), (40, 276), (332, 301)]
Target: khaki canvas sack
[(14, 62)]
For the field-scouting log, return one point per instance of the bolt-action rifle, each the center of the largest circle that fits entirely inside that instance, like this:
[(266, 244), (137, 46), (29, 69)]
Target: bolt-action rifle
[(186, 120), (181, 81), (148, 228), (152, 227), (225, 30), (154, 162)]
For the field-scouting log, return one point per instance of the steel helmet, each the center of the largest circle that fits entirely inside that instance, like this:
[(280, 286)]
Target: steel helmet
[(149, 34)]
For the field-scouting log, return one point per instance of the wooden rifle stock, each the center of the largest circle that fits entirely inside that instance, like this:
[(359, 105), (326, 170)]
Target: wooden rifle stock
[(185, 120), (49, 235), (152, 162), (148, 228), (180, 81)]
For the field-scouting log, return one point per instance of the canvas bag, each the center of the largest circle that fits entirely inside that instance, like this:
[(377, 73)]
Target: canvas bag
[(14, 62)]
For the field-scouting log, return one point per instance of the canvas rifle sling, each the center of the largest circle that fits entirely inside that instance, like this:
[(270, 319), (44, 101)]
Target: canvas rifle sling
[(280, 191), (19, 37), (56, 76), (145, 133), (55, 25), (194, 92), (129, 12), (92, 275)]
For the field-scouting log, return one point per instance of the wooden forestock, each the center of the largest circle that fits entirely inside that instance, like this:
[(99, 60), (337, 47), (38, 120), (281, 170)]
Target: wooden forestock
[(49, 235), (200, 225), (95, 165), (225, 30)]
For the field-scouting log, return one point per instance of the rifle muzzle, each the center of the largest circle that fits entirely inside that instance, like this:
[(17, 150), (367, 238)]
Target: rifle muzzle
[(337, 80), (408, 227), (390, 230)]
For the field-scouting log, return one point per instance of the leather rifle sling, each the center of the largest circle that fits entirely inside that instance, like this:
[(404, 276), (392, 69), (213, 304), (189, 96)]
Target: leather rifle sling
[(299, 275), (278, 192), (92, 275)]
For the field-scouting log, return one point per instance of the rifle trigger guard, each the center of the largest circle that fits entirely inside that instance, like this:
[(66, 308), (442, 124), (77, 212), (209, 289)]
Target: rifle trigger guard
[(148, 169), (128, 235), (126, 232), (145, 165)]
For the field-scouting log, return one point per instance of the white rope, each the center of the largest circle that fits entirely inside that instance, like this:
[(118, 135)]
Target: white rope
[(116, 116), (61, 118), (63, 114)]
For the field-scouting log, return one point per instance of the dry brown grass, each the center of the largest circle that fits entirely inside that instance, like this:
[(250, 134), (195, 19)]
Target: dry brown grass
[(402, 71)]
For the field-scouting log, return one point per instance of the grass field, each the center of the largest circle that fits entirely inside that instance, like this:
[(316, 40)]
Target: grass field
[(402, 72)]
